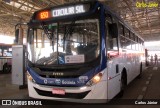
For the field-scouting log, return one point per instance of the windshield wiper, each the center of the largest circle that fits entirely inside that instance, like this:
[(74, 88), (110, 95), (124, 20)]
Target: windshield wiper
[(67, 32), (46, 31), (50, 36)]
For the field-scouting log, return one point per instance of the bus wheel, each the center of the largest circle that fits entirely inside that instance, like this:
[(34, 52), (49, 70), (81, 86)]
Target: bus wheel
[(140, 74), (6, 68)]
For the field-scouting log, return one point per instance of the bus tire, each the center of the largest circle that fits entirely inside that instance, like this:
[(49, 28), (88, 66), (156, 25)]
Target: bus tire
[(6, 68), (140, 73), (123, 84)]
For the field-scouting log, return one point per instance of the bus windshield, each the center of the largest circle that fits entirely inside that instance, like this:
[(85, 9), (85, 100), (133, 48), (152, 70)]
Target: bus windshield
[(71, 42)]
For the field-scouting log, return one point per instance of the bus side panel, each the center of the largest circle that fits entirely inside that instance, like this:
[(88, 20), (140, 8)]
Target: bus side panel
[(1, 66), (131, 62), (134, 70), (126, 63), (100, 89), (137, 63), (113, 78), (143, 61), (131, 66)]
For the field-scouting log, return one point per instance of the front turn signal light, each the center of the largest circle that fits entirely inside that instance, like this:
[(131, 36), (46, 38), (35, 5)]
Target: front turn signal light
[(29, 77)]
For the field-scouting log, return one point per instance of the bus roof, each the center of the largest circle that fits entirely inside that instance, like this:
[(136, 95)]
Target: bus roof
[(90, 6)]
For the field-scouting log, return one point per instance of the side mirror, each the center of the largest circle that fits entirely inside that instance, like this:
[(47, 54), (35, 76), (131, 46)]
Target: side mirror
[(113, 30)]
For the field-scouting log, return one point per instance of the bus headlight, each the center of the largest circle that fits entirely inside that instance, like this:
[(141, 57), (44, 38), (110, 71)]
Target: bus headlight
[(29, 77), (97, 78)]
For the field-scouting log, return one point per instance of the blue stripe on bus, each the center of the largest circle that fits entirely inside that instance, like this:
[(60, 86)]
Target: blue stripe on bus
[(103, 46), (64, 81)]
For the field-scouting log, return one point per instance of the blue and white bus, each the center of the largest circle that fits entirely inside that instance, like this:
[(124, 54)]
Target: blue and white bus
[(81, 51)]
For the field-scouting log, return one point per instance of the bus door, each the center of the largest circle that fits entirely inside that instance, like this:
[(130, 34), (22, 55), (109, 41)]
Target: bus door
[(112, 56)]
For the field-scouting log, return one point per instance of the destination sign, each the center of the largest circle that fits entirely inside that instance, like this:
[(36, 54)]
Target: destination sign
[(68, 11), (63, 11)]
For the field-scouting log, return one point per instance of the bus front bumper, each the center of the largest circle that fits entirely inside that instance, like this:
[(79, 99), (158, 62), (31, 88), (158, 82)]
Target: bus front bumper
[(86, 94)]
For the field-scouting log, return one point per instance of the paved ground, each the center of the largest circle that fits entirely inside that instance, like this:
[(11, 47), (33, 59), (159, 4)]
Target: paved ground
[(148, 87)]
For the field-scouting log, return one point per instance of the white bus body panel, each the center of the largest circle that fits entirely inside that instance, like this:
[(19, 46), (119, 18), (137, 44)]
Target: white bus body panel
[(131, 62), (107, 88), (98, 91), (113, 78)]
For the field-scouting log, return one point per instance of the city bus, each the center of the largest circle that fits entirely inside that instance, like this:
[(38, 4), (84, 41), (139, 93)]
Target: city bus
[(5, 57), (81, 51)]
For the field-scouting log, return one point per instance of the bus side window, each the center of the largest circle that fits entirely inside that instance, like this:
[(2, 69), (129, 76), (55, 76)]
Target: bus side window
[(127, 44), (127, 34), (121, 29), (113, 34), (122, 41), (122, 38), (0, 52), (131, 36)]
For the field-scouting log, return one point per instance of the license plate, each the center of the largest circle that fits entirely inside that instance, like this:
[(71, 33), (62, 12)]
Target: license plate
[(58, 91)]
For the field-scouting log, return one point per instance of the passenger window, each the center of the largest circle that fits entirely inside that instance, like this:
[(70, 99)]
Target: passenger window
[(122, 41), (132, 36), (133, 46), (137, 46), (128, 44), (0, 52), (121, 29), (136, 39), (127, 33)]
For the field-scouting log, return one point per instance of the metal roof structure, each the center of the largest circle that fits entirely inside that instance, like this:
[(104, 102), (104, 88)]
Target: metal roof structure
[(142, 15)]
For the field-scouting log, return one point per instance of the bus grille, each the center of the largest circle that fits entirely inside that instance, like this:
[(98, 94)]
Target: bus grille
[(67, 95), (53, 76)]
